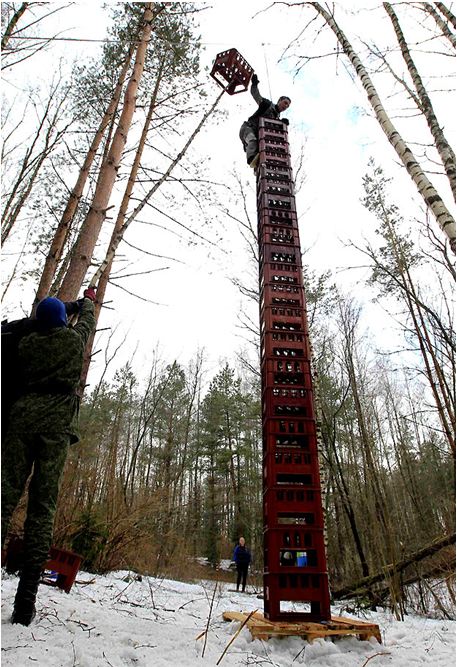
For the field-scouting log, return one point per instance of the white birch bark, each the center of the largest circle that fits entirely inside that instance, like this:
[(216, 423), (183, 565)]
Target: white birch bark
[(425, 188), (446, 12), (443, 147), (427, 7)]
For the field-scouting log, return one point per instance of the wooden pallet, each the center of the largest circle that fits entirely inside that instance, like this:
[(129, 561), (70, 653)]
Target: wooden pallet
[(262, 628)]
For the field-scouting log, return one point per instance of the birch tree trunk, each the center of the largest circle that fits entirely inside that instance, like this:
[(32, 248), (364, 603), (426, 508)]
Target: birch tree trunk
[(64, 226), (427, 7), (425, 188), (92, 225), (446, 12), (442, 145)]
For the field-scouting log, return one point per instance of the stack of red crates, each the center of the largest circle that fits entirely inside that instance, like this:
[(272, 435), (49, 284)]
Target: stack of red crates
[(295, 567)]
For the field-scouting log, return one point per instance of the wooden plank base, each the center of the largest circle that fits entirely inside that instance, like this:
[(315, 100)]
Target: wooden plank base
[(262, 628)]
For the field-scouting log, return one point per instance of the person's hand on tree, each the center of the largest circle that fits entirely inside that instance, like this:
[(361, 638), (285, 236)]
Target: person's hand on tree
[(89, 293)]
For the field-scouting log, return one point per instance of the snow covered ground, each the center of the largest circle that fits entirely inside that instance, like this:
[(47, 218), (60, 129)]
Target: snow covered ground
[(115, 620)]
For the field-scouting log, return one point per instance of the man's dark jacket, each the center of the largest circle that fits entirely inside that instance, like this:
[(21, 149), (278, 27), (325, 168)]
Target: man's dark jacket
[(266, 108), (241, 555)]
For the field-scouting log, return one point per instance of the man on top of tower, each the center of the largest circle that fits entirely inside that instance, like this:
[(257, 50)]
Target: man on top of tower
[(250, 129)]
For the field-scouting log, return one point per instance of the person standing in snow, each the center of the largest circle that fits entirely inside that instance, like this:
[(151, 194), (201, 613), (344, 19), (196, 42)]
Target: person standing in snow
[(242, 558), (42, 424), (249, 131)]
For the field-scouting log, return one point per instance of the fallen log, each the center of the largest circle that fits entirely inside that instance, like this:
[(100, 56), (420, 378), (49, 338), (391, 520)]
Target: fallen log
[(362, 585), (384, 590)]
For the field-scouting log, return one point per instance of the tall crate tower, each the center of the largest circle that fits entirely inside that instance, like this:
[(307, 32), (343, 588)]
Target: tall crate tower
[(295, 567)]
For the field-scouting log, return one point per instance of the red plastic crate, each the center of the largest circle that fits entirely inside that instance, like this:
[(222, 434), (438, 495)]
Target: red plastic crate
[(66, 564), (231, 71)]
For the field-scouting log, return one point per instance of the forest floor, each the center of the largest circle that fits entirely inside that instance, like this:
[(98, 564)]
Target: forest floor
[(121, 619)]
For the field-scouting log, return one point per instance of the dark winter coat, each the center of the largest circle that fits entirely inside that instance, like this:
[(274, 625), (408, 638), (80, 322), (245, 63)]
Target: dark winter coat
[(241, 555), (49, 365)]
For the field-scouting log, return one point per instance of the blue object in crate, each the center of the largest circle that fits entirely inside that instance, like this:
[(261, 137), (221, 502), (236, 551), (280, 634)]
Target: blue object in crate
[(302, 558)]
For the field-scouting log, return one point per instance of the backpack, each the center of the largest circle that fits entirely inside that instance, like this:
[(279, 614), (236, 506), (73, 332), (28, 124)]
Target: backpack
[(12, 334)]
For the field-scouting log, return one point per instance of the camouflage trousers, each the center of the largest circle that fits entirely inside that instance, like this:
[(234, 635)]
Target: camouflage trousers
[(46, 454), (249, 140)]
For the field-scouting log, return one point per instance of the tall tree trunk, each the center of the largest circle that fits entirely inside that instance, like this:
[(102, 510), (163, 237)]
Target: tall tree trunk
[(366, 438), (445, 411), (63, 229), (442, 145), (446, 12), (101, 276), (107, 264), (425, 188), (31, 165), (402, 456), (142, 431), (92, 225), (12, 24), (346, 502), (427, 7), (115, 242), (193, 395), (231, 471), (443, 395)]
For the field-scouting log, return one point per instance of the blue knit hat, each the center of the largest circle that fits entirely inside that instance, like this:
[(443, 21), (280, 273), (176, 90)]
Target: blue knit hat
[(51, 313)]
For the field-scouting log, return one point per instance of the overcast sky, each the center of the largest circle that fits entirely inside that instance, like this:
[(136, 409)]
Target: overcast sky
[(328, 117)]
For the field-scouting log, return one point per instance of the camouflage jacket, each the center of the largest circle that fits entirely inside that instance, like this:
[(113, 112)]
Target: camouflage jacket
[(50, 365)]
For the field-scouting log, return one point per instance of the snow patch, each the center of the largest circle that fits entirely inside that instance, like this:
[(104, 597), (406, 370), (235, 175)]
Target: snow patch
[(119, 619)]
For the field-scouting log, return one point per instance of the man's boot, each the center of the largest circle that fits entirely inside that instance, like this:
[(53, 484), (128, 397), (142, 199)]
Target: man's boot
[(24, 602)]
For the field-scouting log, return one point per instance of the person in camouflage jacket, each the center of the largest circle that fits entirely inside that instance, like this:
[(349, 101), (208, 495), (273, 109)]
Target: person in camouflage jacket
[(43, 422), (12, 334), (249, 131)]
